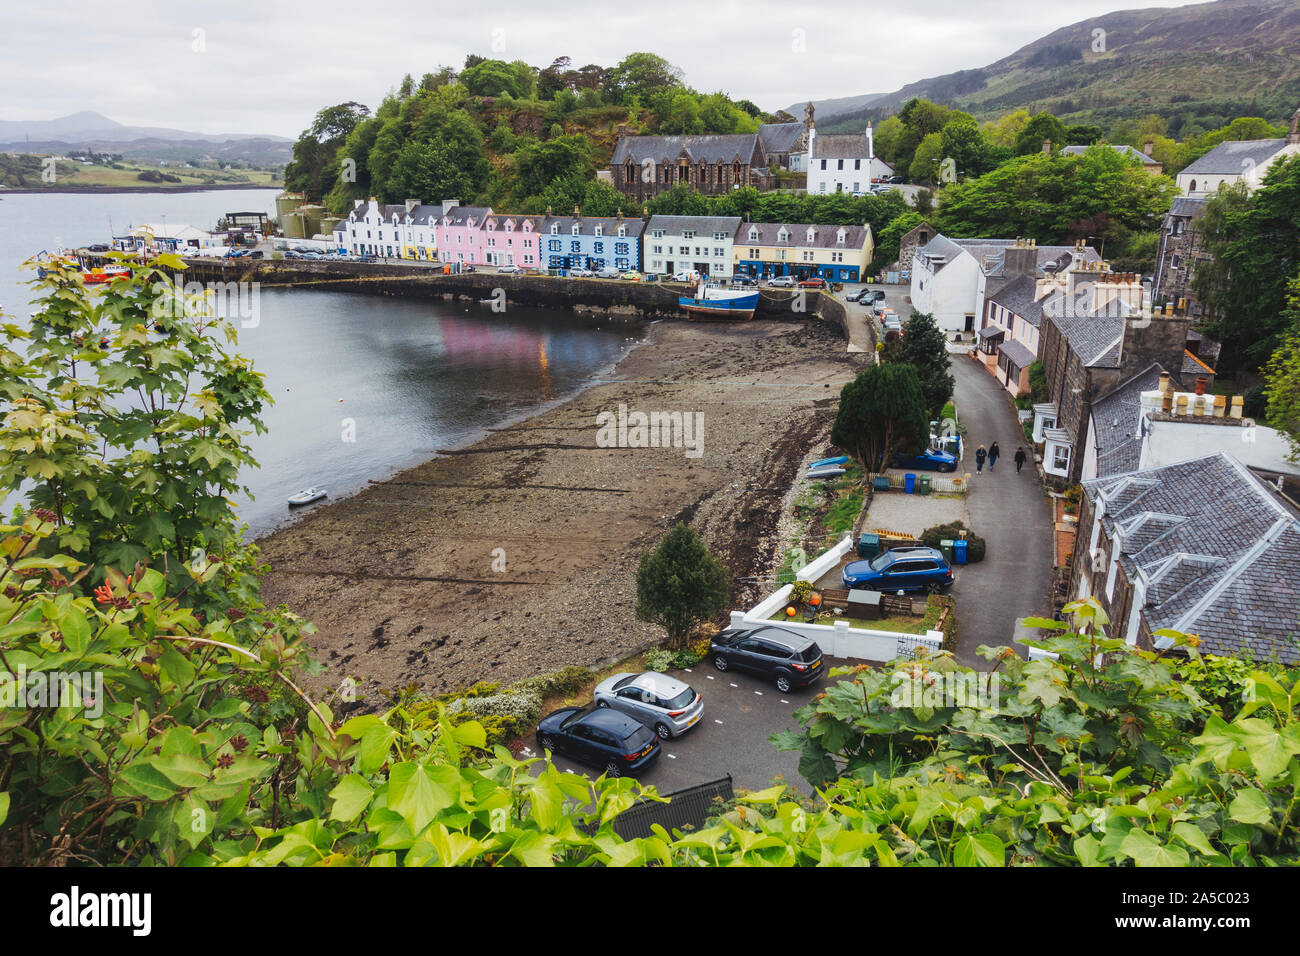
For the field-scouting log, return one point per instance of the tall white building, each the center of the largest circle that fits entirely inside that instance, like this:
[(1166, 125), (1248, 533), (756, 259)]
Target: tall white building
[(843, 162), (702, 244)]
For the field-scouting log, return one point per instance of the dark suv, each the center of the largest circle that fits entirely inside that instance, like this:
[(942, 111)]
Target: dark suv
[(900, 569), (783, 657)]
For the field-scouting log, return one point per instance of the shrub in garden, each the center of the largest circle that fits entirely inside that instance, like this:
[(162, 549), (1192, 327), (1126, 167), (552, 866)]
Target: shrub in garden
[(679, 584), (951, 532), (658, 659)]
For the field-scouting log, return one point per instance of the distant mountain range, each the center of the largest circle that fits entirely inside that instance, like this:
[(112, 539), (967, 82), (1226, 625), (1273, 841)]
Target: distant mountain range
[(1227, 58), (91, 130)]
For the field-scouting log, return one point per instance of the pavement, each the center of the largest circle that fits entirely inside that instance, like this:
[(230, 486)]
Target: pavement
[(740, 712), (1012, 514)]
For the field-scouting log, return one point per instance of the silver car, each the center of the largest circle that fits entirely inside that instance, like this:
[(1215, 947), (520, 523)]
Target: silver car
[(661, 702)]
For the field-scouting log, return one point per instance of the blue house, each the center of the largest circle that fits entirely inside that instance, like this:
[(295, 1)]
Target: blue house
[(590, 242)]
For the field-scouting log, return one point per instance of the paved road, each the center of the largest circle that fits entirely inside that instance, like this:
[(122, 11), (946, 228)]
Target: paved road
[(740, 713), (1009, 511)]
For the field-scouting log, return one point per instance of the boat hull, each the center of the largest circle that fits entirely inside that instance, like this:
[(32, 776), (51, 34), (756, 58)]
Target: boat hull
[(735, 307)]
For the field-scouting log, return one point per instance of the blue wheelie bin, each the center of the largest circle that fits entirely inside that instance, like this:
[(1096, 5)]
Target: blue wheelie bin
[(959, 551), (909, 484)]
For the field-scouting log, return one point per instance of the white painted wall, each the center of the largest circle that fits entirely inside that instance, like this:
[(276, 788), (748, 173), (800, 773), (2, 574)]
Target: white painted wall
[(1258, 446), (949, 294)]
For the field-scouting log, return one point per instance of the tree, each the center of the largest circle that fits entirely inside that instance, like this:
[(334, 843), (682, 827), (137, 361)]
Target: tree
[(882, 412), (925, 349), (314, 168), (1243, 290), (1044, 126), (1006, 130), (679, 584), (492, 78), (887, 240), (1282, 376), (540, 163), (643, 76), (925, 167)]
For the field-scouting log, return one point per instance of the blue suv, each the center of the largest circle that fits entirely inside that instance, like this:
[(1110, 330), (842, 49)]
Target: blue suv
[(900, 569), (932, 459)]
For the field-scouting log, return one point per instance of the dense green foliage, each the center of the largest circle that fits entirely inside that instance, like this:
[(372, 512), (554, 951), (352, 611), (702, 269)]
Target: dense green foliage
[(924, 347), (680, 583), (1254, 240), (1282, 376), (882, 412), (937, 534), (840, 209)]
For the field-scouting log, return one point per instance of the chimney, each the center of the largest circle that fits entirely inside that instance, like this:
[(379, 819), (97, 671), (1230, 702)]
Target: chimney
[(1147, 148), (1167, 400), (1020, 260), (620, 213), (411, 204), (577, 213), (1047, 146), (1164, 382), (1200, 385), (1220, 405)]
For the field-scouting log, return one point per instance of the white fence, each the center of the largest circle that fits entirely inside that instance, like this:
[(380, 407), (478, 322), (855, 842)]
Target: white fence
[(838, 639)]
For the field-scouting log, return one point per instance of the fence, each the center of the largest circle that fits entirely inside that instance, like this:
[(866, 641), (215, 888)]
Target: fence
[(943, 484)]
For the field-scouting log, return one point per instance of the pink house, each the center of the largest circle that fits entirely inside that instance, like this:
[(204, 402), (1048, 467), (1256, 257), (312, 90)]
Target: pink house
[(511, 241), (460, 235)]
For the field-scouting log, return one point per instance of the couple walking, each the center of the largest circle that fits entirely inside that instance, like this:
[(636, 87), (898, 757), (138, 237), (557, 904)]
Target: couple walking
[(992, 455)]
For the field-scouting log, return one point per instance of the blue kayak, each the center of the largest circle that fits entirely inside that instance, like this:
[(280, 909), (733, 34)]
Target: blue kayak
[(829, 462)]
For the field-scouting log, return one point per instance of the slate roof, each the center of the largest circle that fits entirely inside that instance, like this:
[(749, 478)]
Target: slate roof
[(839, 146), (1187, 207), (458, 215), (1092, 335), (703, 226), (1227, 158), (779, 137), (824, 237), (1194, 366), (1018, 296), (1122, 148), (1117, 422), (587, 225), (988, 253), (1017, 353), (720, 148), (1220, 558)]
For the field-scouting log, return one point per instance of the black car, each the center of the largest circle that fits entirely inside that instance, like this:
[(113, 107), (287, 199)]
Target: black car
[(783, 657), (740, 279), (600, 737)]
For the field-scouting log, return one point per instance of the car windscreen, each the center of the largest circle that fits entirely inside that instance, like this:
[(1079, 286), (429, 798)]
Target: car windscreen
[(625, 681), (638, 738), (880, 562), (681, 700)]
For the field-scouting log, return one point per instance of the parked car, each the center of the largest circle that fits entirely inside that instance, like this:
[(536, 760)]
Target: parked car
[(685, 276), (608, 273), (97, 247), (900, 569), (783, 657), (580, 273), (867, 296), (509, 270), (781, 282), (895, 180), (813, 282), (743, 280), (257, 254), (631, 275), (663, 703), (599, 737), (932, 459)]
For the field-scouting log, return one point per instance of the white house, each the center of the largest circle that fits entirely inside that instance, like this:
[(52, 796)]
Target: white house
[(843, 162), (398, 231), (703, 244), (1242, 160), (174, 237)]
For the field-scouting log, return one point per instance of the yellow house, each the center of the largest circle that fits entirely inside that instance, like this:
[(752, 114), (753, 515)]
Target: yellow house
[(804, 250)]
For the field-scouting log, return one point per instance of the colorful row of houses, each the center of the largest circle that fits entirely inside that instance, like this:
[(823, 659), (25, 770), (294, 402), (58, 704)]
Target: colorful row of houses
[(717, 246)]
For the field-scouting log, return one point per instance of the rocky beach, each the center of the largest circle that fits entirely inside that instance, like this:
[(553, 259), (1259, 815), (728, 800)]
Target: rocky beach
[(518, 554)]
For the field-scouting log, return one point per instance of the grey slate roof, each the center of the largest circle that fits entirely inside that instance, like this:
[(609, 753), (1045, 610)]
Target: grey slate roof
[(839, 146), (779, 137), (703, 226), (458, 215), (1017, 353), (1116, 422), (1093, 336), (720, 148), (1018, 296), (1193, 366), (1221, 558), (1233, 157), (988, 253), (1187, 207), (1123, 149), (587, 225), (824, 237)]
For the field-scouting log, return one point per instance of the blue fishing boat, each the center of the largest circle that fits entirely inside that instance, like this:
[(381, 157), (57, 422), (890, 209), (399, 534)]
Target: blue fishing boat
[(825, 462), (711, 302)]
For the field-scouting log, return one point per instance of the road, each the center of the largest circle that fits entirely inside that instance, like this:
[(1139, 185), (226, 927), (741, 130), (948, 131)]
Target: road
[(740, 713), (1009, 511)]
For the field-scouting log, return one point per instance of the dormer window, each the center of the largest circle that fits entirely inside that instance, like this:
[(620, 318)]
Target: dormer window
[(599, 230), (810, 234), (753, 234), (555, 230), (622, 231), (839, 237), (782, 236), (491, 224), (510, 225), (528, 225), (577, 230)]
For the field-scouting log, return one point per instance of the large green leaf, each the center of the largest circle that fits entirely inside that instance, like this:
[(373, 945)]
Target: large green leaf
[(979, 849), (1251, 806), (351, 796), (420, 793), (144, 780), (1146, 850)]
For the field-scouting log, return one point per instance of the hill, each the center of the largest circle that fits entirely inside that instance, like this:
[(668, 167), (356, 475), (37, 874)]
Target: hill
[(1197, 65)]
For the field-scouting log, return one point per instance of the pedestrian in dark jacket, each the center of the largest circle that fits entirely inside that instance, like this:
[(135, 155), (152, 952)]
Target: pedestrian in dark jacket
[(1020, 458), (980, 455), (993, 455)]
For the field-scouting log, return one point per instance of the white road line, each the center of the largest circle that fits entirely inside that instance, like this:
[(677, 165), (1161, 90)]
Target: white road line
[(672, 756), (784, 701), (688, 670), (735, 685), (708, 677), (759, 693), (716, 721)]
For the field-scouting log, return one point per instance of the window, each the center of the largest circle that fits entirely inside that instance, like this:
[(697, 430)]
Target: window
[(1061, 458), (622, 231), (553, 245), (857, 164), (823, 165), (600, 230), (688, 233), (598, 246), (657, 250), (719, 253), (575, 246), (753, 234), (656, 234), (684, 250), (840, 164), (1175, 261), (554, 229), (1114, 570), (857, 186), (720, 236)]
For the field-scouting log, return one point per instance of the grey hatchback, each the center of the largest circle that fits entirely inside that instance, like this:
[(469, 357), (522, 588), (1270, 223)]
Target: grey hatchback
[(663, 703)]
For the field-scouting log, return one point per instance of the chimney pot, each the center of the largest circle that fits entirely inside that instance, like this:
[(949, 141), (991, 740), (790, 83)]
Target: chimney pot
[(1236, 406), (1167, 400), (1220, 405)]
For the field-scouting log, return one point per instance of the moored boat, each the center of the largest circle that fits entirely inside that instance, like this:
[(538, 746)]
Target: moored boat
[(306, 497), (824, 462), (714, 303), (825, 472)]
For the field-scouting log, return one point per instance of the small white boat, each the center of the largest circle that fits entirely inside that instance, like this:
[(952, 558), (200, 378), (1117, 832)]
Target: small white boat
[(827, 471), (306, 497)]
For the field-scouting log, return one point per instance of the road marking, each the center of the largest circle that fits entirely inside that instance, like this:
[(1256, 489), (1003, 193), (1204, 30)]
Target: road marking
[(784, 701), (759, 693), (735, 685), (688, 670), (716, 721), (672, 756), (709, 676)]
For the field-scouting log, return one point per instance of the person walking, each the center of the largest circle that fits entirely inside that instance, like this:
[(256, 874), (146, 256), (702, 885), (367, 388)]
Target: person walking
[(980, 454), (1020, 458), (994, 452)]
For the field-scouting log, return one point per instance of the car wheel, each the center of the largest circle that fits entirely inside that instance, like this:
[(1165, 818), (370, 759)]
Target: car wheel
[(602, 703), (546, 742), (934, 589), (721, 663), (783, 683), (663, 731), (612, 769)]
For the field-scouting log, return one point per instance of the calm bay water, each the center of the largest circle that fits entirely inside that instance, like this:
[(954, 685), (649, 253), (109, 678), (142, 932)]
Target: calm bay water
[(413, 375)]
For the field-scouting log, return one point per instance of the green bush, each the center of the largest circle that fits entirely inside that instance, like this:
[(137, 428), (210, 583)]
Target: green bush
[(686, 658), (951, 532), (564, 681), (658, 659)]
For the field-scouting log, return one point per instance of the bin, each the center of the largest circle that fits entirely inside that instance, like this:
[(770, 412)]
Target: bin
[(959, 551), (909, 483), (881, 482), (923, 485), (945, 546), (868, 545)]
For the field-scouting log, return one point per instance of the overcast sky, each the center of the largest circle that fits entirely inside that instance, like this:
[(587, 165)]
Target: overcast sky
[(267, 66)]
